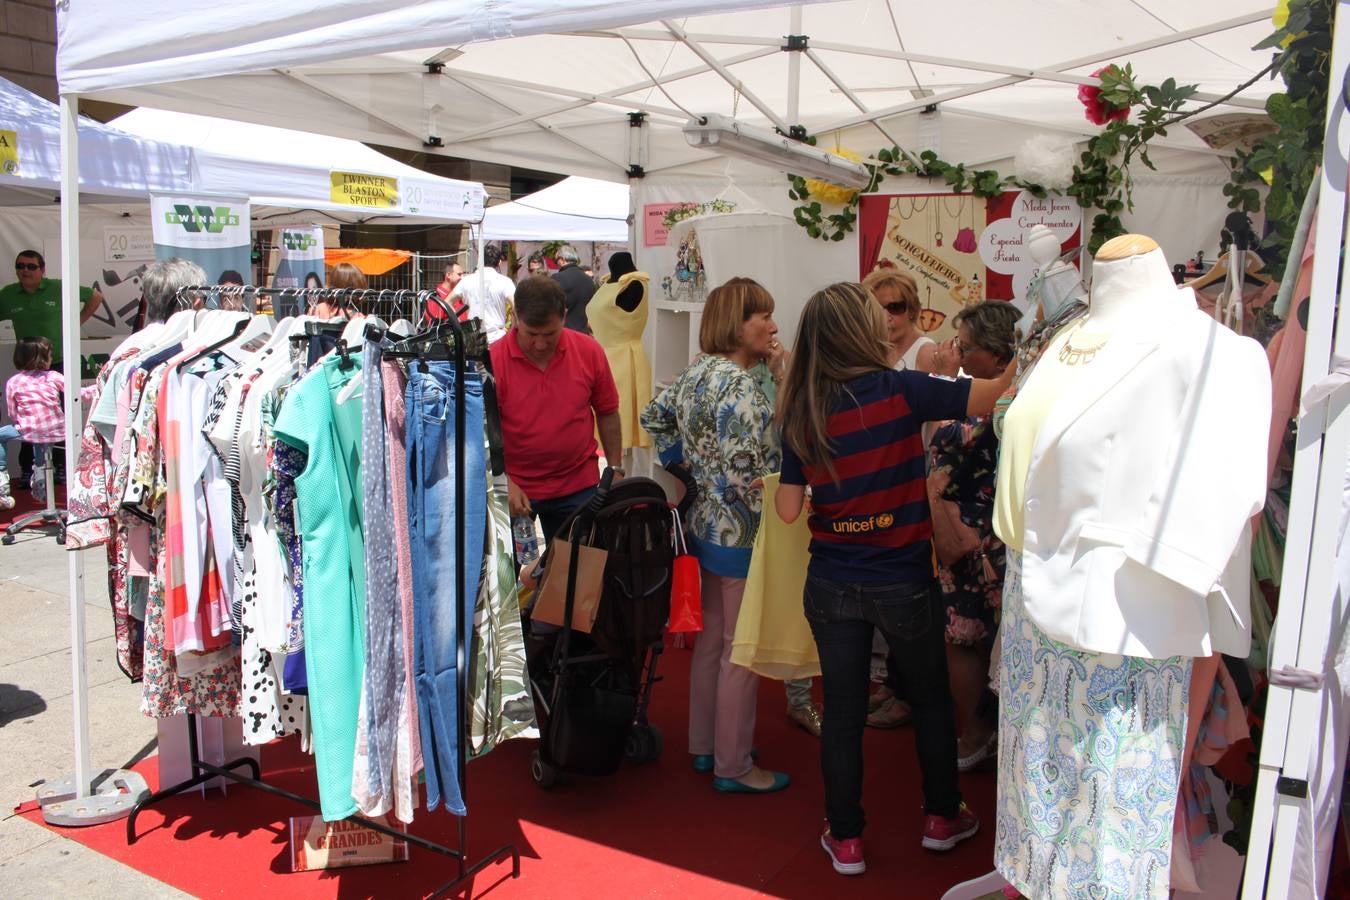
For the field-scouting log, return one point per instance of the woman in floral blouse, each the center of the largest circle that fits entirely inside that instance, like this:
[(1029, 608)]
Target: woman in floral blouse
[(716, 418), (964, 456)]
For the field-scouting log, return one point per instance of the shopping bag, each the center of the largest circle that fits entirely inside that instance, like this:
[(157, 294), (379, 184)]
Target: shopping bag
[(686, 606), (551, 605)]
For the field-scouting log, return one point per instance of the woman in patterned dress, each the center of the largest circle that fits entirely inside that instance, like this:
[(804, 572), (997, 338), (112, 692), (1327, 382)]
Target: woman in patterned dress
[(715, 418)]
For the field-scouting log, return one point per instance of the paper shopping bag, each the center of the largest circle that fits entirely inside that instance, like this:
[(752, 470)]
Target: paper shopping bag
[(551, 604)]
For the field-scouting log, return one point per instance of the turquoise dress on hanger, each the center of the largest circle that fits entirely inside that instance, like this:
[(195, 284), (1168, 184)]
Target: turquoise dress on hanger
[(328, 513)]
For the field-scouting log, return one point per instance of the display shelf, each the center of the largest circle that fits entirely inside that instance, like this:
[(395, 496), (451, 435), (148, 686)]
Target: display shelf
[(679, 306)]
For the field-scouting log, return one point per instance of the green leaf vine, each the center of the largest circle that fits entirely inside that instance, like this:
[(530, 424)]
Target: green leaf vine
[(1139, 113), (1287, 159)]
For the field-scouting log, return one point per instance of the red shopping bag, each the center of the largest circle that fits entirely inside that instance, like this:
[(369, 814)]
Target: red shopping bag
[(686, 607)]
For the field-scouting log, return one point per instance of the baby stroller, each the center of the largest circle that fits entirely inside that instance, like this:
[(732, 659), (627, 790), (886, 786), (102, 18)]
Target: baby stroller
[(591, 691)]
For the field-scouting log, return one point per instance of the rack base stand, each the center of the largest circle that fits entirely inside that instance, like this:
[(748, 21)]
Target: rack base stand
[(204, 772), (115, 793)]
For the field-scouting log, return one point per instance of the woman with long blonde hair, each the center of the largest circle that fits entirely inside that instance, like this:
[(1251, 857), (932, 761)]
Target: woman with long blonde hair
[(851, 432)]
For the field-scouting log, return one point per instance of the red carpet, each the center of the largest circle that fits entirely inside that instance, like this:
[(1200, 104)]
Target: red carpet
[(655, 830)]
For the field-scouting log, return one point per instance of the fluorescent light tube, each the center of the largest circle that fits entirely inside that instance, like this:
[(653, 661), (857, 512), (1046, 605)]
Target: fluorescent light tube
[(725, 135)]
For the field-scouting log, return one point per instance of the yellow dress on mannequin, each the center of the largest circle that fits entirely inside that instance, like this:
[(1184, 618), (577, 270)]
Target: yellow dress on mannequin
[(620, 333)]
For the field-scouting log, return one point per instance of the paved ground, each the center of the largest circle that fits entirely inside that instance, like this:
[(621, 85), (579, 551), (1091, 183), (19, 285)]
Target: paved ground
[(36, 719)]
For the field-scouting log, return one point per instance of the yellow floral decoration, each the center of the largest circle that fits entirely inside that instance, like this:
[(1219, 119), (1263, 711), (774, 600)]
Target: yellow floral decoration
[(833, 193)]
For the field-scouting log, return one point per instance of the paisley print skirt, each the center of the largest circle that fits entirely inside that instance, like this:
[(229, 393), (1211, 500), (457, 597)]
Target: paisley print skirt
[(1090, 748)]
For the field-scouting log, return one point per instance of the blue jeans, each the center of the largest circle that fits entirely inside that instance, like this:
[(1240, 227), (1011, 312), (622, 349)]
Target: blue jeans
[(432, 505), (842, 616), (11, 433), (552, 513)]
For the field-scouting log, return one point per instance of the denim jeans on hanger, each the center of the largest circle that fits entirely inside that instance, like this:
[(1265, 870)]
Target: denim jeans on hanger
[(842, 616), (432, 508)]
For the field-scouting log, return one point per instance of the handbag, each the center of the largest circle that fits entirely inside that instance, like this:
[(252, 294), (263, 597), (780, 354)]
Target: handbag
[(686, 606), (564, 555)]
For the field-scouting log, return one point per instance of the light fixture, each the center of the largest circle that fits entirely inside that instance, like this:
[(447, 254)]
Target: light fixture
[(435, 64), (725, 135)]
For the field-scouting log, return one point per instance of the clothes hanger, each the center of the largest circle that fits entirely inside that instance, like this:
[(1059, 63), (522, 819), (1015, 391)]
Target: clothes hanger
[(373, 328), (1219, 271)]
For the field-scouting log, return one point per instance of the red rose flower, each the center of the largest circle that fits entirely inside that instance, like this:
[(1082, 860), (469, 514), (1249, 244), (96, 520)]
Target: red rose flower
[(1097, 110)]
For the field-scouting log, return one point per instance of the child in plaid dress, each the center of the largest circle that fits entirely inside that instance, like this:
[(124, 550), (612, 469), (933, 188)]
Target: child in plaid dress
[(33, 405)]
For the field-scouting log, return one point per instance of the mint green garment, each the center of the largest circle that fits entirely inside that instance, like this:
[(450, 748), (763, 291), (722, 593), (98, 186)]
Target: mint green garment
[(328, 513)]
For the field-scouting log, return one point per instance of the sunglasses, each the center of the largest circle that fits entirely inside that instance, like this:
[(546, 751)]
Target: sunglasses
[(897, 308), (26, 267)]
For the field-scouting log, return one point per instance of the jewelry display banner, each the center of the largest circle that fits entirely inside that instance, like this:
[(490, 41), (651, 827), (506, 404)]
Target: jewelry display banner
[(960, 249)]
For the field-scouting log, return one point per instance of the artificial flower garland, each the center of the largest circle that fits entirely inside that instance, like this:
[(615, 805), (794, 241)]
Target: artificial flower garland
[(1131, 115)]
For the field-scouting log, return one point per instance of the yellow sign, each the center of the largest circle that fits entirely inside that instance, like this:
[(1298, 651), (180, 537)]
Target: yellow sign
[(359, 189), (9, 152)]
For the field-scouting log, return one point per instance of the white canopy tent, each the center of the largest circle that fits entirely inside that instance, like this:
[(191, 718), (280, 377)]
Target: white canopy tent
[(428, 73), (113, 164), (551, 87), (286, 173), (574, 209)]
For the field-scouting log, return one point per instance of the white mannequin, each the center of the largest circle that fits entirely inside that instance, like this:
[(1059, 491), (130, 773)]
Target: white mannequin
[(1056, 282), (1130, 278), (1126, 481)]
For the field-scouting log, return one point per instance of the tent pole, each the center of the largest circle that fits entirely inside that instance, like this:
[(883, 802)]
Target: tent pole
[(118, 790), (702, 53), (794, 69), (70, 342)]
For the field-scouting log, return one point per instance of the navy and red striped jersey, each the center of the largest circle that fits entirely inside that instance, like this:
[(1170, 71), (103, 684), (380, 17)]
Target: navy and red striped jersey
[(873, 525)]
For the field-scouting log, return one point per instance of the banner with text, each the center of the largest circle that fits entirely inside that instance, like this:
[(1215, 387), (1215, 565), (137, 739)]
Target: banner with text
[(962, 249), (9, 152), (361, 189), (301, 263), (212, 231)]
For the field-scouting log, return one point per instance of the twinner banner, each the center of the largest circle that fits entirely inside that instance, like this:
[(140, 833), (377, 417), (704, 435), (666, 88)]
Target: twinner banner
[(301, 264), (212, 231)]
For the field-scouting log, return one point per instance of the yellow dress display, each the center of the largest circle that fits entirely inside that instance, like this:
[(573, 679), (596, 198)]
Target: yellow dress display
[(773, 638), (620, 333)]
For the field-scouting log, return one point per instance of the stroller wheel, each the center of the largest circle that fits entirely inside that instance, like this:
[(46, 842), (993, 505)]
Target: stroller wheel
[(644, 743), (544, 775)]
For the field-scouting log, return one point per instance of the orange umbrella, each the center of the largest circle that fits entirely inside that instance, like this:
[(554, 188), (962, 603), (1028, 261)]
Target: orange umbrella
[(369, 261)]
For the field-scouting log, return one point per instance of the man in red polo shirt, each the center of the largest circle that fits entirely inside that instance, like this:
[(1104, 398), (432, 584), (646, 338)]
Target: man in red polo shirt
[(555, 391)]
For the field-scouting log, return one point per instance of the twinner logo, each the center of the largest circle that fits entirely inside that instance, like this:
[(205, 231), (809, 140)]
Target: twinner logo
[(195, 220), (298, 240)]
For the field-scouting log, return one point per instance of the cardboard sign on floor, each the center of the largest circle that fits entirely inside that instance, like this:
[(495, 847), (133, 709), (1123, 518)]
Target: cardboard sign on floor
[(316, 844)]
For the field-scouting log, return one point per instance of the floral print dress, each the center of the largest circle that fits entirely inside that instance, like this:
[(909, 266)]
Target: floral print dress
[(972, 587), (719, 413)]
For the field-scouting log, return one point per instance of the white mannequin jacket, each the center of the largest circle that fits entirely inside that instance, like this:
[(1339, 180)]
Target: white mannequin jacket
[(1141, 484)]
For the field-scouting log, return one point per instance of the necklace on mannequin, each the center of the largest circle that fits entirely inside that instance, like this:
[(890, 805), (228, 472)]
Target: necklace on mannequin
[(1073, 356)]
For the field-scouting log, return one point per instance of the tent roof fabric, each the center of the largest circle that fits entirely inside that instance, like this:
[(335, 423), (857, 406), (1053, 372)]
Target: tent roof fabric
[(281, 169), (112, 164), (551, 87), (574, 209), (285, 174)]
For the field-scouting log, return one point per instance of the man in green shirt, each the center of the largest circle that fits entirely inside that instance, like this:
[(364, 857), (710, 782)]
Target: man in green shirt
[(33, 303)]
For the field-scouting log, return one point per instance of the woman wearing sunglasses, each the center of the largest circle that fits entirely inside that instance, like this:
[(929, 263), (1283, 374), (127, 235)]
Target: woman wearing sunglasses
[(898, 295)]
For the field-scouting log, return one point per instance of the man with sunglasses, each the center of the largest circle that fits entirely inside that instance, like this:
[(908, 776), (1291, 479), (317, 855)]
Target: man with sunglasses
[(33, 305)]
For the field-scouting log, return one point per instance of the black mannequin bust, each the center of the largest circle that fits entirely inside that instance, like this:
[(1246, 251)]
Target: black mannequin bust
[(620, 264)]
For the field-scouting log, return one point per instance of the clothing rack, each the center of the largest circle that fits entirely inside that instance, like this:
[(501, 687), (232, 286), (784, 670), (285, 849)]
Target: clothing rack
[(387, 303), (203, 772)]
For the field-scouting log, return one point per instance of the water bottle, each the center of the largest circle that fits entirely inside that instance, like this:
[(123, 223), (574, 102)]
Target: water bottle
[(526, 539)]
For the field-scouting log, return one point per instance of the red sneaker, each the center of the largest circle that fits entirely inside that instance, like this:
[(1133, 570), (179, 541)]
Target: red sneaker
[(847, 856), (940, 833)]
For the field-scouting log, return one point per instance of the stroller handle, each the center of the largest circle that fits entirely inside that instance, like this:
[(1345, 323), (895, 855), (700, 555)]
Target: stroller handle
[(601, 493)]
